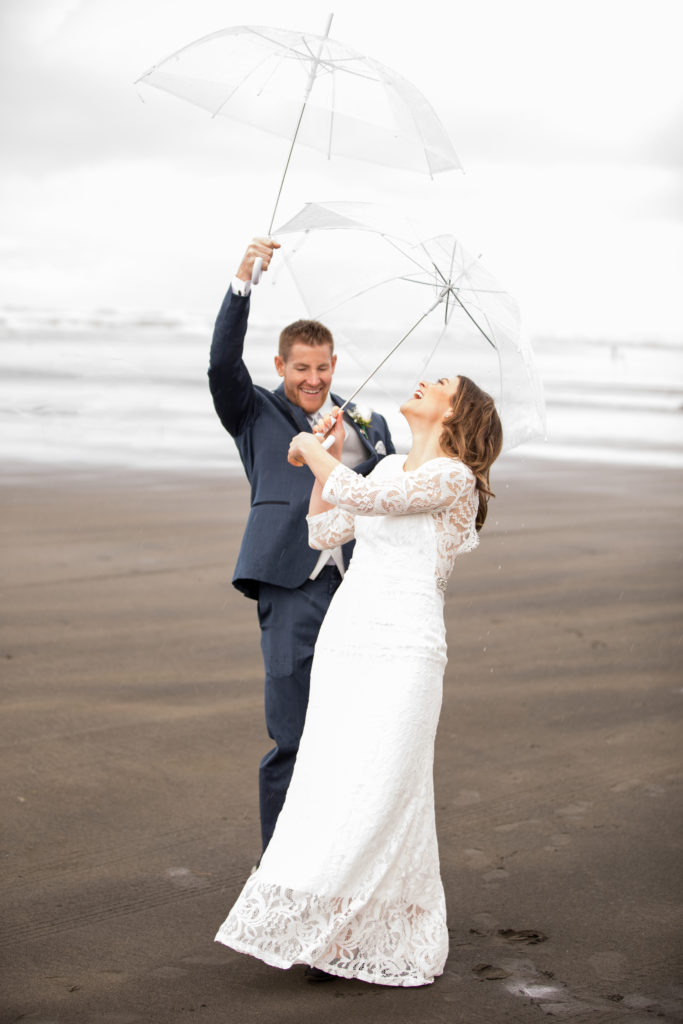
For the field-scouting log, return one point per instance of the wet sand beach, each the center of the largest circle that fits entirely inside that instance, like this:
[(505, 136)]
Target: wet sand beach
[(132, 727)]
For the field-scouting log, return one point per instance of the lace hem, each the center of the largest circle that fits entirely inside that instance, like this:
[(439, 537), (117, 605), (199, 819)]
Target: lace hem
[(330, 529), (375, 941)]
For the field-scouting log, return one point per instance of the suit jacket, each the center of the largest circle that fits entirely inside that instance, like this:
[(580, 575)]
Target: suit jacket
[(275, 543)]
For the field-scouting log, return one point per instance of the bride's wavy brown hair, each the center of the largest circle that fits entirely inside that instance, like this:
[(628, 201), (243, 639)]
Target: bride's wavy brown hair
[(473, 434)]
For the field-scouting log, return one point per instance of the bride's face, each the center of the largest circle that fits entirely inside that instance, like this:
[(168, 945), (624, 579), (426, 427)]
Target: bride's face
[(431, 400)]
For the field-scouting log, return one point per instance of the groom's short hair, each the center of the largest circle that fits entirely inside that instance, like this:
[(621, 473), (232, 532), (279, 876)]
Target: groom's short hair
[(308, 332)]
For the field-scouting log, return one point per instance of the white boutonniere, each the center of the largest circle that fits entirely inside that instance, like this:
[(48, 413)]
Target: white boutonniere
[(362, 416)]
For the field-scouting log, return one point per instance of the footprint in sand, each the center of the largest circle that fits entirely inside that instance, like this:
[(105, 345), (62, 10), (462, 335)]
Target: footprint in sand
[(651, 788), (186, 878), (497, 875), (609, 965), (489, 972), (486, 923), (552, 997), (574, 812), (626, 785), (526, 936), (653, 1006), (512, 826), (477, 859), (467, 797), (557, 841)]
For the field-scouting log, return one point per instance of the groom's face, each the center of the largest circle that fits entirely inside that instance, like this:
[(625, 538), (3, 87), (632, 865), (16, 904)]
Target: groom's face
[(307, 374)]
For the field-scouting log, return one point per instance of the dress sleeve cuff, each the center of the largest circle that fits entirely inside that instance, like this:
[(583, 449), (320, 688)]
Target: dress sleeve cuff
[(316, 518)]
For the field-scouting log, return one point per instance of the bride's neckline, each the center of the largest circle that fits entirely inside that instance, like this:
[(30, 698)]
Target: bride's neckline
[(436, 458)]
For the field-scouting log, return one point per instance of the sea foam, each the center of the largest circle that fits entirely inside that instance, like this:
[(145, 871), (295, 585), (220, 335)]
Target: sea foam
[(113, 388)]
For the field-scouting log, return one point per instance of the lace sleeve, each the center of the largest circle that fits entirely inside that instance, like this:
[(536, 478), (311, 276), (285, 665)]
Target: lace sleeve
[(432, 487), (330, 529)]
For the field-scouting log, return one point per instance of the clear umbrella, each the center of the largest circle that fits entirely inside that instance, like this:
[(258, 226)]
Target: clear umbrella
[(311, 90), (407, 308)]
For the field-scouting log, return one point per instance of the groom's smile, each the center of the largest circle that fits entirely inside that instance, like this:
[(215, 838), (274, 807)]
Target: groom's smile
[(307, 375)]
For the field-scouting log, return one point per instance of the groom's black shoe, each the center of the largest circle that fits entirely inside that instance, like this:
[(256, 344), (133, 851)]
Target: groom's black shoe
[(315, 974)]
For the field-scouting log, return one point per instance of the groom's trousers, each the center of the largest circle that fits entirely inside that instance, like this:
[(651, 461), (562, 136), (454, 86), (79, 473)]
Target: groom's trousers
[(290, 621)]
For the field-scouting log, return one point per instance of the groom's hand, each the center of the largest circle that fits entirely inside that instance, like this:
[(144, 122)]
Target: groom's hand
[(332, 425), (263, 247)]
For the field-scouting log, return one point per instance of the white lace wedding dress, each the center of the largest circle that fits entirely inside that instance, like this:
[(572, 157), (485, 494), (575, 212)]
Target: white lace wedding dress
[(350, 881)]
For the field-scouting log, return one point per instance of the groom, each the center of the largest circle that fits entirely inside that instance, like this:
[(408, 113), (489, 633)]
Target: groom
[(292, 584)]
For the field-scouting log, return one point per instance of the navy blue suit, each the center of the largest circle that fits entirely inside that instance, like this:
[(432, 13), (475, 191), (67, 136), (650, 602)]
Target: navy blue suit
[(275, 561)]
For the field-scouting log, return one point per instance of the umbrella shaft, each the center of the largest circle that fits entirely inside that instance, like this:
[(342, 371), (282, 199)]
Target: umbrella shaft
[(309, 86), (284, 173)]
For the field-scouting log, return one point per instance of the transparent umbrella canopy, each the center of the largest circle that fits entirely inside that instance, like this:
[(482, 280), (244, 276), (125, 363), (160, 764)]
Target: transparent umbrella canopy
[(410, 309), (311, 90)]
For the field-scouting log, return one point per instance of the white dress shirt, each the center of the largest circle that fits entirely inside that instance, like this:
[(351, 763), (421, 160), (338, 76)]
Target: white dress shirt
[(240, 287)]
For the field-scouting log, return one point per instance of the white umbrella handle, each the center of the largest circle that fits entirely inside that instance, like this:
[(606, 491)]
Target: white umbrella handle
[(328, 440), (256, 271)]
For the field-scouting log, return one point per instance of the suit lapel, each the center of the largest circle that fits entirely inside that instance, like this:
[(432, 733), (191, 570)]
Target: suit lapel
[(365, 441), (294, 412)]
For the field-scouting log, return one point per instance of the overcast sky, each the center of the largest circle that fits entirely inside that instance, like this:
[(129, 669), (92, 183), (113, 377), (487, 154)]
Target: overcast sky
[(566, 114)]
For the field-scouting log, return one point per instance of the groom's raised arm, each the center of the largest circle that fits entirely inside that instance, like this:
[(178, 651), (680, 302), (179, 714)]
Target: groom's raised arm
[(232, 388)]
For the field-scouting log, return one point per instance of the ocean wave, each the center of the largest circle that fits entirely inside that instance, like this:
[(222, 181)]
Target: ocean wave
[(113, 388), (20, 321)]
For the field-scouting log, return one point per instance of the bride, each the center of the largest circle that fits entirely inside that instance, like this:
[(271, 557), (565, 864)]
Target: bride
[(350, 882)]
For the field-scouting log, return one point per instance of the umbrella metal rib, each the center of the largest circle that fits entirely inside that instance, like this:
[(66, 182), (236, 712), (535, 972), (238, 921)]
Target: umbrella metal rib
[(389, 354), (257, 67), (450, 288)]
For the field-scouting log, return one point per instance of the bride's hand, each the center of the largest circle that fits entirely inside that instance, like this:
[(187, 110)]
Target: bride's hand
[(338, 434), (298, 446)]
